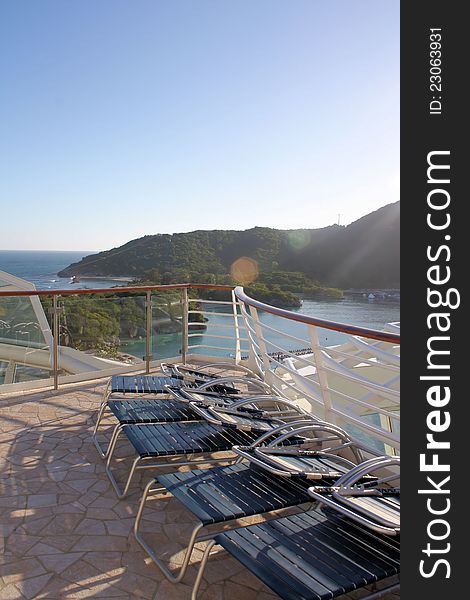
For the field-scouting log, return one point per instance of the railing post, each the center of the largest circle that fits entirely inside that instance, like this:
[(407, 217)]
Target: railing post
[(254, 361), (261, 343), (185, 323), (9, 376), (238, 352), (322, 376), (148, 331), (55, 340)]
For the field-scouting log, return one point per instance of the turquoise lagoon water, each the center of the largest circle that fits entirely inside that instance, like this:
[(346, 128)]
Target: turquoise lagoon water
[(373, 314)]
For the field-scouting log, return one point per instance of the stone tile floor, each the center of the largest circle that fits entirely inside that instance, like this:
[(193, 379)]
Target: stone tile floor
[(64, 534)]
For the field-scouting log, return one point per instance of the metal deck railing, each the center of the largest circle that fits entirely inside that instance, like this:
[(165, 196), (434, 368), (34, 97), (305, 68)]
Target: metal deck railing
[(345, 374)]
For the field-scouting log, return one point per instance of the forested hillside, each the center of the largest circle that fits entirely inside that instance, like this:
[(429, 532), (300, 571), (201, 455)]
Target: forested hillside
[(366, 253)]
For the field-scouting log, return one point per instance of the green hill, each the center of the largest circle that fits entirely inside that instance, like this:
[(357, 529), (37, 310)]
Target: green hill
[(364, 254)]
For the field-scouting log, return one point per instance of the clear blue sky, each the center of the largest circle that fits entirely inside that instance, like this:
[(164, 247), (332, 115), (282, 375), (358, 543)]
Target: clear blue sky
[(121, 118)]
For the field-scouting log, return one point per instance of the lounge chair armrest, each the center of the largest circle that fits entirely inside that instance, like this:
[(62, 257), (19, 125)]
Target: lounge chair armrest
[(363, 491), (257, 457), (327, 500), (324, 427), (178, 393), (166, 369), (234, 379), (205, 397), (243, 451), (289, 426), (269, 399), (229, 366), (199, 370), (314, 426), (350, 478), (205, 414)]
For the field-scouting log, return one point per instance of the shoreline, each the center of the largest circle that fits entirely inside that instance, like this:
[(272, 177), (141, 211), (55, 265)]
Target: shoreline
[(100, 278)]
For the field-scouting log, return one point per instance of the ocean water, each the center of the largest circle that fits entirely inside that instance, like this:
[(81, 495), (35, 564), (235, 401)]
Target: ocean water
[(41, 268)]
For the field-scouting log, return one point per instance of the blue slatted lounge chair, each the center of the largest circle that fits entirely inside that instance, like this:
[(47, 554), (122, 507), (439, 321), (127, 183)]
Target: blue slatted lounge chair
[(218, 496), (146, 384), (179, 408), (368, 503), (219, 381), (316, 555), (321, 455), (273, 404), (156, 384), (210, 369), (247, 414), (195, 439), (140, 411), (179, 375), (223, 495)]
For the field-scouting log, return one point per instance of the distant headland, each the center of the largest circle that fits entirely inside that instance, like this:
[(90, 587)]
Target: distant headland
[(279, 264)]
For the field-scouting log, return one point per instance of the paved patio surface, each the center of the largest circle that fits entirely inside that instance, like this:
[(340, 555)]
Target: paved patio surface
[(64, 534)]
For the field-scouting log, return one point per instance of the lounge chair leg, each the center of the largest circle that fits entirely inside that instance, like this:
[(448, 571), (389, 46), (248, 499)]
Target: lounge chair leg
[(112, 442), (101, 452), (385, 590), (110, 453), (202, 568), (160, 564), (103, 406), (121, 494), (107, 391)]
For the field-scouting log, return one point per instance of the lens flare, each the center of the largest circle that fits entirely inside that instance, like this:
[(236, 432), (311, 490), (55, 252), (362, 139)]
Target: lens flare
[(244, 270), (298, 240)]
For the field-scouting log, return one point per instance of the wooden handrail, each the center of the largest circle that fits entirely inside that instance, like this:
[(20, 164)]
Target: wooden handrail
[(373, 334), (119, 290)]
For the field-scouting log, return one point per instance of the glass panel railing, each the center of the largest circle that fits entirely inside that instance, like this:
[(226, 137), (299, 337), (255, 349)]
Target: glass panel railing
[(20, 323), (86, 334), (98, 333), (216, 327), (167, 324), (3, 370), (25, 340), (352, 380), (26, 373)]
